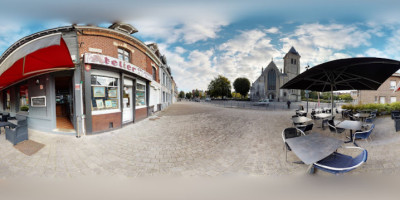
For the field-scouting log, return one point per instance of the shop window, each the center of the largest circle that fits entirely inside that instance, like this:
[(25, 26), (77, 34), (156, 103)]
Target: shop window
[(124, 55), (105, 93), (23, 98), (140, 95)]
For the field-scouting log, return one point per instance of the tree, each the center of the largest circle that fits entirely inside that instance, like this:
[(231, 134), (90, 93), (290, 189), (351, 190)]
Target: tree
[(196, 93), (188, 95), (220, 87), (242, 86), (182, 94)]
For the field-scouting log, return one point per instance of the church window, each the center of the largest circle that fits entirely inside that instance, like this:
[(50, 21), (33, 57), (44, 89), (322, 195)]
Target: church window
[(294, 61), (291, 61), (271, 80)]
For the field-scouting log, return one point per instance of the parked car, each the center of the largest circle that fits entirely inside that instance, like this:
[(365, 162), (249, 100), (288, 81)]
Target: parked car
[(197, 99), (208, 99), (262, 102)]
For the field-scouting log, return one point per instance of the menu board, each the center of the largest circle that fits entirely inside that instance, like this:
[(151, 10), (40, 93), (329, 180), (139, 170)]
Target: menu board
[(39, 101)]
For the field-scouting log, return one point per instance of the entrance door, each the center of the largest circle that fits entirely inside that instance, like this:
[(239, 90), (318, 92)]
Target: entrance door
[(127, 112), (63, 103)]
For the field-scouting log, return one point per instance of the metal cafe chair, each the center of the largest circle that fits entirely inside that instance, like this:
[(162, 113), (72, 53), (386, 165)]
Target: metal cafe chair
[(338, 163), (290, 133)]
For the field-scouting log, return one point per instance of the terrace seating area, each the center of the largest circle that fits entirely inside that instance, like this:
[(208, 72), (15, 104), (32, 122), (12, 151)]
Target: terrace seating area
[(351, 127)]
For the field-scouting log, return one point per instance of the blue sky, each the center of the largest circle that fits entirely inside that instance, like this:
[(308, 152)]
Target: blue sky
[(204, 39)]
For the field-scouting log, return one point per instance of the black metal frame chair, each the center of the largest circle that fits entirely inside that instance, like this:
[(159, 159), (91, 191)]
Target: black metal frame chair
[(290, 133)]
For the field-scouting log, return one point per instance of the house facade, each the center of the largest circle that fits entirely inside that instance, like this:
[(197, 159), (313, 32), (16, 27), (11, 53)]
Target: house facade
[(83, 79)]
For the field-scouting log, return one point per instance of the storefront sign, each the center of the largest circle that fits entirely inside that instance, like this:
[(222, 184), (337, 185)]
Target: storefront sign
[(39, 101), (116, 63), (77, 86)]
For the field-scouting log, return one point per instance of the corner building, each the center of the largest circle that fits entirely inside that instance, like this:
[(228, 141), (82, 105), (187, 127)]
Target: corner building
[(82, 79)]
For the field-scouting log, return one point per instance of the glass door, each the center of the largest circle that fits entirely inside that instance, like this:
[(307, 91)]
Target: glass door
[(127, 100)]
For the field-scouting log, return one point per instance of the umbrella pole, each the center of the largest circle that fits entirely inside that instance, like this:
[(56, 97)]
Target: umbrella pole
[(332, 99)]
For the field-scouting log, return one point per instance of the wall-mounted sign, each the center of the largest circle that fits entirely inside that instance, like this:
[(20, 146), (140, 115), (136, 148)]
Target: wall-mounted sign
[(39, 101), (116, 63), (88, 67)]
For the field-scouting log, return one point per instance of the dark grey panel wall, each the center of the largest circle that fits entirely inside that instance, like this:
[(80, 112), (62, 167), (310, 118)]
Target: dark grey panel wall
[(42, 118)]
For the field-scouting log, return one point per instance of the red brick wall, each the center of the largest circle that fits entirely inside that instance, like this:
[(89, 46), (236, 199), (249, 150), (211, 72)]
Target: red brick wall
[(109, 42), (140, 114), (101, 122), (368, 96)]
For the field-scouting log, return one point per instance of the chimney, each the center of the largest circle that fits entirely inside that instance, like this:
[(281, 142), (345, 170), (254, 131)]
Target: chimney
[(262, 70)]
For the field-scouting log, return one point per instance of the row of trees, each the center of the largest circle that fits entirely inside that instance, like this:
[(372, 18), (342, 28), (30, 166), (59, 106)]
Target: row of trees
[(221, 87), (326, 96)]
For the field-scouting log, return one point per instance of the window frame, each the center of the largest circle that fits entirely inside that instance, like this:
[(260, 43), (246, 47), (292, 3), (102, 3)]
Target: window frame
[(107, 75), (392, 87), (122, 53), (139, 82)]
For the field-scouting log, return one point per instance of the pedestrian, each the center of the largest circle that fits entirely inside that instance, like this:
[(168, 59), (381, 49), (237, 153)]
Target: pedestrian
[(288, 104)]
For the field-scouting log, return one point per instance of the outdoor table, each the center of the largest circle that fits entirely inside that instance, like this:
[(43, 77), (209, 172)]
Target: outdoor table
[(301, 112), (323, 115), (313, 147), (350, 125), (301, 120), (362, 116)]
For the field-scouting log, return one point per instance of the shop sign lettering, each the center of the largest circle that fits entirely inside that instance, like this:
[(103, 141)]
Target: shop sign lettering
[(116, 63)]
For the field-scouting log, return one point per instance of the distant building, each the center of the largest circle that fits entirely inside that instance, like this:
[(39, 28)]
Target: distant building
[(384, 94), (271, 79)]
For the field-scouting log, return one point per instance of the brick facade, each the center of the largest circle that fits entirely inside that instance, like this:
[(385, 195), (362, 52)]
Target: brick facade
[(109, 43), (385, 91)]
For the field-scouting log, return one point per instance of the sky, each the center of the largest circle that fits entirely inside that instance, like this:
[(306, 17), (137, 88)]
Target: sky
[(204, 39)]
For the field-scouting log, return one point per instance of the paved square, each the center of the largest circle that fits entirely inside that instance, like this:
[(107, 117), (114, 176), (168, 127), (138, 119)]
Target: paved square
[(188, 139)]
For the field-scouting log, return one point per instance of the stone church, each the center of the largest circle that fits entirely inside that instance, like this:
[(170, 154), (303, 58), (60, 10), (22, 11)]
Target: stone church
[(267, 85)]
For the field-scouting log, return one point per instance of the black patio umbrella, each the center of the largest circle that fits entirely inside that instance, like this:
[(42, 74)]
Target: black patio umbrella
[(363, 73)]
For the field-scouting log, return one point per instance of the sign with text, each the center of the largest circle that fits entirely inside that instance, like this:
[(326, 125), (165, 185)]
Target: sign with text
[(39, 101), (116, 63)]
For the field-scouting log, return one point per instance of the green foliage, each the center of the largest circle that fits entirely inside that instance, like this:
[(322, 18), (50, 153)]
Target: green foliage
[(345, 97), (236, 95), (382, 108), (182, 94), (24, 108), (196, 93), (220, 87), (188, 95), (242, 86)]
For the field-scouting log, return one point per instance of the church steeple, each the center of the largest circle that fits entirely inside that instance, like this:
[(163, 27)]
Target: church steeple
[(291, 63)]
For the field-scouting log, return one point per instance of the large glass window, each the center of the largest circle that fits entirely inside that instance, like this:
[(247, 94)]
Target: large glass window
[(271, 80), (140, 94), (124, 55), (23, 98), (105, 93)]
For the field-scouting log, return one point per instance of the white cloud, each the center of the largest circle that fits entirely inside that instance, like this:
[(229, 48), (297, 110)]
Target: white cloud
[(180, 50), (319, 43), (272, 30), (186, 30)]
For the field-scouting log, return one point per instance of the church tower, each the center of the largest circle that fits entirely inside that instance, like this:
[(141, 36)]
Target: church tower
[(291, 63), (291, 68)]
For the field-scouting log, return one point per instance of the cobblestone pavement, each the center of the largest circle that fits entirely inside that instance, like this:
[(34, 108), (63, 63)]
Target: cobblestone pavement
[(187, 139)]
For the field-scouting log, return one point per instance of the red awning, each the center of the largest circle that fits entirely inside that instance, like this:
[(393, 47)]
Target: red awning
[(42, 55)]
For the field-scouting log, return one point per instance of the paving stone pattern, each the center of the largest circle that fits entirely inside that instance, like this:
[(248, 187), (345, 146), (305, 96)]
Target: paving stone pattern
[(187, 139)]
